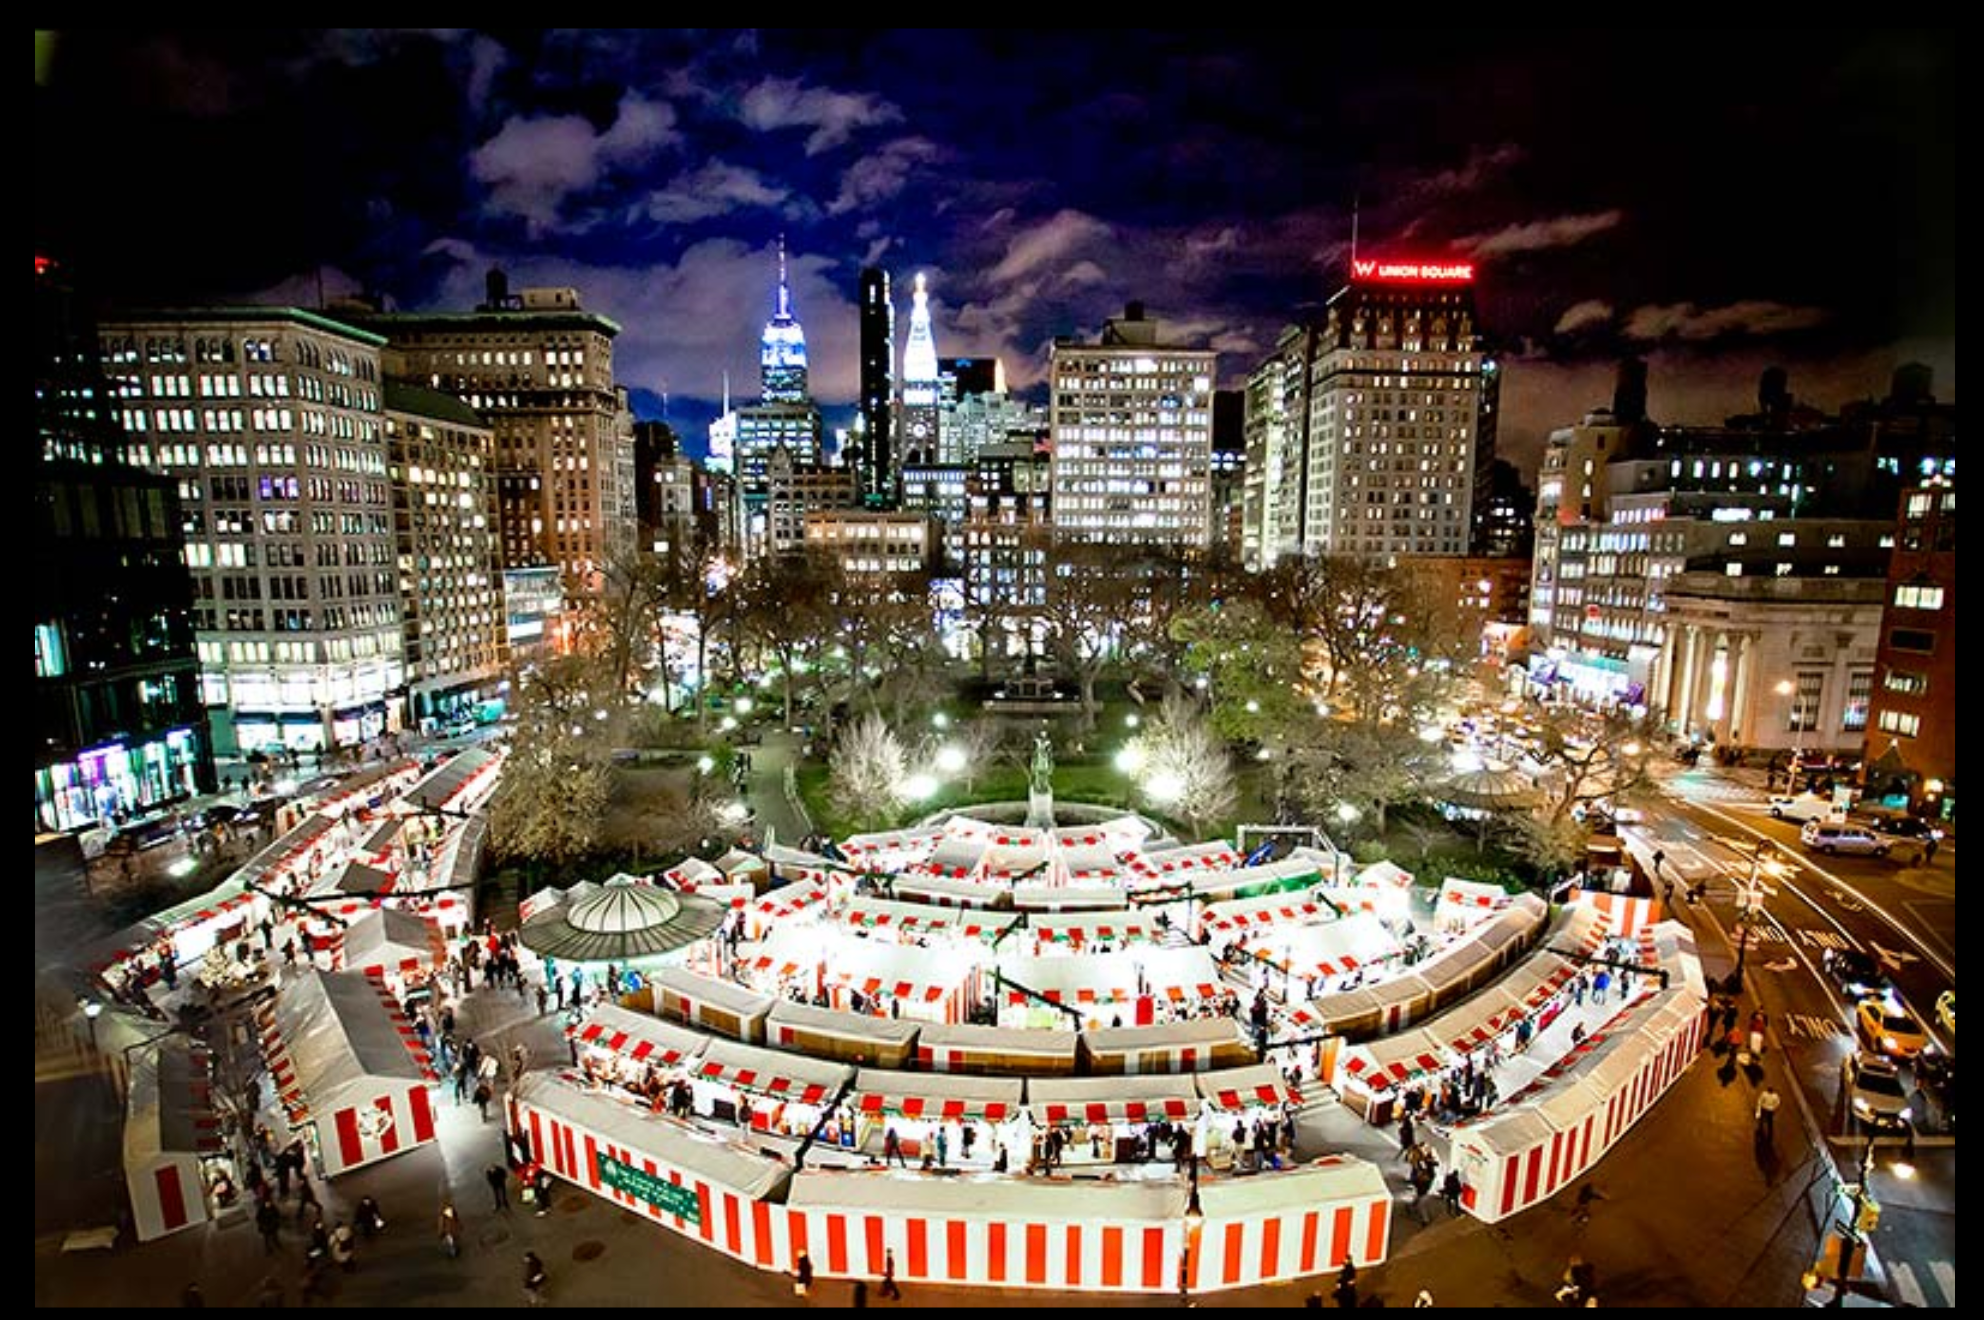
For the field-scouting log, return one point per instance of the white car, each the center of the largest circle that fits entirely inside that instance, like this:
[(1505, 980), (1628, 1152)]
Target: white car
[(1801, 807), (1830, 837), (1875, 1092)]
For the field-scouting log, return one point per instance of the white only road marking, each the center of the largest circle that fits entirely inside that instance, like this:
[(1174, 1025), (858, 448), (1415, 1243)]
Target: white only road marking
[(1811, 1027), (1825, 939), (1944, 1273), (1905, 1284)]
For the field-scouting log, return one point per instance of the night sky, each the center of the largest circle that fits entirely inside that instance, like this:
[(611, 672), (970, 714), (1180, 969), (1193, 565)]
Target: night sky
[(1714, 201)]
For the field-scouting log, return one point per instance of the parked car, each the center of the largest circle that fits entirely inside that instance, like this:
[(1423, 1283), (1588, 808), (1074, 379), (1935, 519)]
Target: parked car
[(1885, 1025), (1855, 972), (1831, 837), (1946, 1010), (1801, 806), (1875, 1094)]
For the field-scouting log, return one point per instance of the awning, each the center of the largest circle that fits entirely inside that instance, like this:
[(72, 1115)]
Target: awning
[(1243, 1088), (946, 1096), (640, 1038), (1112, 1099)]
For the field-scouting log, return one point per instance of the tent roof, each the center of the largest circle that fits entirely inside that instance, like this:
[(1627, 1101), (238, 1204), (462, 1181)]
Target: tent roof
[(864, 1027), (1047, 1044), (721, 1163), (936, 1095), (905, 971), (168, 1109), (388, 935), (1333, 1179), (444, 781), (1239, 1088), (1329, 949), (771, 1072), (621, 922), (934, 918), (638, 1036), (1173, 972), (727, 995), (335, 1030), (1089, 927), (1088, 1200), (1046, 896), (1192, 1032), (1112, 1099)]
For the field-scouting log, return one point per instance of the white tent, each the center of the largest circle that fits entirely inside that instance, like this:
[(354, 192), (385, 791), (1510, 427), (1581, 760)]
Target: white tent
[(945, 1096), (1235, 1089), (393, 943), (169, 1127), (908, 920), (638, 1036), (1112, 978), (1332, 949), (965, 1048), (705, 1001), (772, 1073), (344, 1058), (1054, 1100), (1188, 1045)]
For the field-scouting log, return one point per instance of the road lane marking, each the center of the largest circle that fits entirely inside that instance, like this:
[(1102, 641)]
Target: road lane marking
[(1824, 939), (1809, 1026), (1905, 1284), (1944, 1273)]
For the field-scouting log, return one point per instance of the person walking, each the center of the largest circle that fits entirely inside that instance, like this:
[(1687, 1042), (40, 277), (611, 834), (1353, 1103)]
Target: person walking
[(1405, 1137), (889, 1288), (1587, 1196), (1451, 1188), (268, 1222), (534, 1279), (892, 1148), (482, 1097), (1767, 1102), (307, 1205), (541, 1191), (943, 1148), (450, 1230), (543, 1000), (1345, 1291), (344, 1249), (802, 1275), (499, 1186)]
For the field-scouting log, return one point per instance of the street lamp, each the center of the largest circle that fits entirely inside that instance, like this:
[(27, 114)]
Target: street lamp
[(1750, 900), (1795, 718), (1195, 1218), (91, 1012)]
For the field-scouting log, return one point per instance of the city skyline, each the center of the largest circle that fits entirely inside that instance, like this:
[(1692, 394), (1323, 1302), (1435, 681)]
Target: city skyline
[(656, 171)]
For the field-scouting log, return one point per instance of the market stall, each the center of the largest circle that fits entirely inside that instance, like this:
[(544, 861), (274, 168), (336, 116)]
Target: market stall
[(225, 915), (866, 976), (891, 850), (1369, 1075), (982, 894), (399, 946), (704, 1001), (795, 866), (1054, 896), (977, 1115), (782, 906), (348, 1068), (462, 783), (1238, 917), (1007, 1051), (908, 923), (1306, 959), (1189, 1045), (1130, 988), (637, 1054), (741, 867), (175, 1162), (764, 1090), (1176, 863), (826, 1033), (1465, 903), (1109, 1120), (1095, 932)]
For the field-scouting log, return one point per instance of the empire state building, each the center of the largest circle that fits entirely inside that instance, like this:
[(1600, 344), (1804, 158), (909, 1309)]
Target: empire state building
[(782, 347)]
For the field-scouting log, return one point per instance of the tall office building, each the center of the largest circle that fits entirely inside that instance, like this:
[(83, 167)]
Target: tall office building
[(1008, 531), (978, 421), (1372, 426), (539, 367), (119, 726), (1131, 425), (877, 459), (440, 458), (782, 347), (922, 388), (785, 417), (270, 420)]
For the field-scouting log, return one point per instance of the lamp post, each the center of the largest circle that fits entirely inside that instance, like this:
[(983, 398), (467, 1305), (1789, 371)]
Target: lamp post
[(1195, 1218), (1751, 898), (91, 1011), (1795, 718), (1860, 1223)]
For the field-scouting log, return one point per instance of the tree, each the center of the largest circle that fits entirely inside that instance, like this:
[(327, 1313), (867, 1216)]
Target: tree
[(1251, 669), (1361, 765), (786, 608), (866, 771), (1587, 758), (1087, 612), (557, 779), (1183, 766)]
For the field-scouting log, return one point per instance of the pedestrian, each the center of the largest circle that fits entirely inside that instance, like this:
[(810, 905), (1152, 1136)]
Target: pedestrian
[(889, 1289), (1405, 1135), (1345, 1292), (859, 1301), (268, 1222), (1758, 1021), (1929, 847), (1767, 1103), (344, 1249), (482, 1097), (543, 999), (1587, 1196), (306, 1198), (499, 1186), (534, 1279), (282, 1175), (462, 1073), (892, 1148), (450, 1230), (802, 1275), (370, 1221), (943, 1147), (1450, 1188), (541, 1190), (1659, 857)]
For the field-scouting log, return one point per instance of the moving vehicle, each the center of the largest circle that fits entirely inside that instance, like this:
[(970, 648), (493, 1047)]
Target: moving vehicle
[(1946, 1010), (1831, 837), (1801, 806), (1886, 1025), (1855, 973), (1875, 1094)]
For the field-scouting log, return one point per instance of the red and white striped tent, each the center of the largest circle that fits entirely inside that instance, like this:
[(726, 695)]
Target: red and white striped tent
[(891, 850), (1624, 914), (954, 857), (950, 892), (1390, 1062), (901, 922), (1466, 903), (780, 906), (761, 1075), (691, 873), (1180, 975), (1058, 1101), (944, 1097), (1118, 926), (393, 944), (344, 1059), (1384, 875), (638, 1037), (1218, 884), (1337, 948), (1189, 1045), (1555, 1129), (1254, 1086), (965, 1048), (928, 985), (704, 1001), (1293, 907), (796, 866), (169, 1127), (1176, 863)]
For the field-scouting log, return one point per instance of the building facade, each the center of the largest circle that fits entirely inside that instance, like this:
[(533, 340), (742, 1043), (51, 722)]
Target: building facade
[(796, 490), (922, 386), (1130, 420), (1911, 737), (873, 543), (440, 458), (1372, 426), (937, 491), (877, 459), (270, 421), (539, 368), (1008, 535), (977, 421)]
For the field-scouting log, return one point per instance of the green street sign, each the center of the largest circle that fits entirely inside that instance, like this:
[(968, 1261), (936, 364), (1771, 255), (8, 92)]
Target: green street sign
[(660, 1193)]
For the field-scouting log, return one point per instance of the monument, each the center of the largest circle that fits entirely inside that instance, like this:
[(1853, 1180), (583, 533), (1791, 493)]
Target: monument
[(1040, 792)]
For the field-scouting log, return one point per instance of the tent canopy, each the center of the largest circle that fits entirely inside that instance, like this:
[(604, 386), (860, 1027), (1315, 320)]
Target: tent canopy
[(1116, 926), (1190, 1034), (168, 1109), (390, 937), (1013, 1041), (1177, 974), (1112, 1099), (1240, 1088), (862, 1028), (924, 918), (770, 1073), (719, 1163), (726, 995), (639, 1037), (446, 781), (949, 1096), (326, 1033), (1334, 948)]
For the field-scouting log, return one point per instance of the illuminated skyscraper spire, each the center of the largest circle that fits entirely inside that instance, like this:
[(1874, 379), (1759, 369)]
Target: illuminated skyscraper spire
[(782, 348), (920, 384)]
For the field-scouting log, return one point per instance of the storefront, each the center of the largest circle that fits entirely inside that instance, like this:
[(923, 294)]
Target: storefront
[(126, 778), (176, 1165), (978, 1116), (1085, 1121)]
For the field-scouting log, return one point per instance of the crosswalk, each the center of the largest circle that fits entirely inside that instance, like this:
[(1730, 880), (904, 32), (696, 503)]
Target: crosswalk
[(1908, 1286)]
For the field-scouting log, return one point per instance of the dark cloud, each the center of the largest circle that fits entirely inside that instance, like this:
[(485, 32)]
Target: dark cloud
[(1797, 208)]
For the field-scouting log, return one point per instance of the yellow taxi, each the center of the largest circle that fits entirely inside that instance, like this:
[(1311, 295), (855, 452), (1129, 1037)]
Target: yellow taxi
[(1887, 1026)]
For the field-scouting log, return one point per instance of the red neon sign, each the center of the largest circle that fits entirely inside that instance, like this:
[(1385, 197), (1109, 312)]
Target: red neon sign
[(1415, 272)]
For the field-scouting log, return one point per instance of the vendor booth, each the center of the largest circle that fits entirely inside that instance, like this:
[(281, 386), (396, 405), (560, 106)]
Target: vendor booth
[(175, 1163), (1095, 932), (619, 1047), (978, 1115), (348, 1068), (1306, 959), (860, 1038), (462, 783), (1110, 1120), (783, 906), (946, 892), (1131, 988), (398, 946), (1189, 1045), (1370, 1074), (911, 923), (865, 976), (1466, 903), (703, 1001), (764, 1090), (1002, 1051)]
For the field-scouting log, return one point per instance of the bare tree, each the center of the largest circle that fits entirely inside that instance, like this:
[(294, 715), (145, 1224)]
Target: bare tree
[(866, 770), (1087, 614), (1185, 767)]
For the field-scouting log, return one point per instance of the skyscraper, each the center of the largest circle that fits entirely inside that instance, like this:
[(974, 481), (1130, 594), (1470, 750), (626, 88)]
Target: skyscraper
[(782, 347), (878, 460), (921, 385), (1132, 435)]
